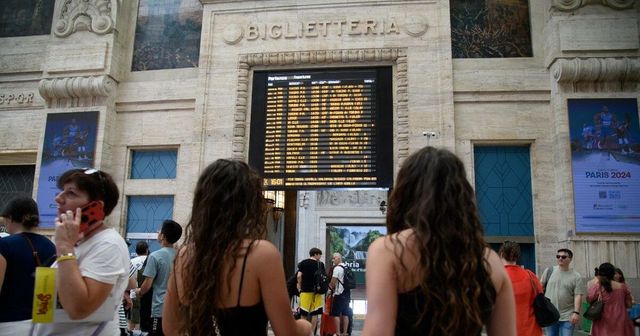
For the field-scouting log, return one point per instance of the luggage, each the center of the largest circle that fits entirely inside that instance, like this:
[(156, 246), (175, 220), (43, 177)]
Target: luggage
[(327, 322)]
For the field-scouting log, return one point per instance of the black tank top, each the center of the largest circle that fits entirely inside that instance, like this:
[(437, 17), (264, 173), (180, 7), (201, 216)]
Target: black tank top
[(410, 304), (239, 320)]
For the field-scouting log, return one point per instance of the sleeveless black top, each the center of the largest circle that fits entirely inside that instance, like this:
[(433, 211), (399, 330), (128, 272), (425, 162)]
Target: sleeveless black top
[(240, 320), (411, 302)]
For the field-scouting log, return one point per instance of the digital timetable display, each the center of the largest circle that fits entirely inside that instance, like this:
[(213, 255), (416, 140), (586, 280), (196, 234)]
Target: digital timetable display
[(322, 129)]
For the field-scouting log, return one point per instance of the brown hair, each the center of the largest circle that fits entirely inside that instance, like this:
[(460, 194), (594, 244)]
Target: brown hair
[(98, 184), (510, 251), (228, 208), (432, 197)]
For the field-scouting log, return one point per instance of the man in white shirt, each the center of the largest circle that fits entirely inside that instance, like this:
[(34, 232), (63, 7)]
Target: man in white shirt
[(341, 295)]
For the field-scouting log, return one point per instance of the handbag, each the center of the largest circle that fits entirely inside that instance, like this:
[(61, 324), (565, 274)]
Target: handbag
[(546, 313), (594, 312)]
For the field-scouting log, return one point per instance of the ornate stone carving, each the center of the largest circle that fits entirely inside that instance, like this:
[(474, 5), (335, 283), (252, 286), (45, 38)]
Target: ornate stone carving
[(328, 57), (73, 90), (570, 5), (91, 15), (619, 4), (623, 71), (351, 198)]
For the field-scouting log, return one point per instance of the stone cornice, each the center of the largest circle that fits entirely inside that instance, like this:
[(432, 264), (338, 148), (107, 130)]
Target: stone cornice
[(596, 70), (571, 5), (324, 57), (91, 15), (76, 91)]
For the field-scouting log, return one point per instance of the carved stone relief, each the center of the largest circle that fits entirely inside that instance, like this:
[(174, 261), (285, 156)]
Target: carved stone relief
[(76, 91), (351, 198), (623, 72), (91, 15), (570, 5), (328, 57)]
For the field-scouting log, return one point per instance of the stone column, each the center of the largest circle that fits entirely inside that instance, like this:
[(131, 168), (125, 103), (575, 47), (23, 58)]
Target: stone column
[(592, 52)]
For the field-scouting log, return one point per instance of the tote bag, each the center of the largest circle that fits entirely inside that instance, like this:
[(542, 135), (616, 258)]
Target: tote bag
[(546, 313)]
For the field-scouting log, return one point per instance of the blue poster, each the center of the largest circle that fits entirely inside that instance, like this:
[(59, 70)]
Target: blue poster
[(605, 156), (69, 142)]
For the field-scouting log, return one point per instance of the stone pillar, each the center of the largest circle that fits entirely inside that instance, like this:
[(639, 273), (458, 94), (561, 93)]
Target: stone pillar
[(592, 52)]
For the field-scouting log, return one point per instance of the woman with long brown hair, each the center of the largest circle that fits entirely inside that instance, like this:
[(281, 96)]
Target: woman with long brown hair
[(433, 274), (226, 279), (617, 299)]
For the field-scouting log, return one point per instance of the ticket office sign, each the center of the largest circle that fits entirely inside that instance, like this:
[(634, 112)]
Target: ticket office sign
[(322, 129)]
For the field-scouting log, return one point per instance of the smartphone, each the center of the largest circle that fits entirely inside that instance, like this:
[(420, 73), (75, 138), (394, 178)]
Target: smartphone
[(92, 213)]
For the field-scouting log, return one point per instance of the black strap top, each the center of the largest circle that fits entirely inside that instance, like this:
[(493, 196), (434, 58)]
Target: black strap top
[(410, 304), (239, 320)]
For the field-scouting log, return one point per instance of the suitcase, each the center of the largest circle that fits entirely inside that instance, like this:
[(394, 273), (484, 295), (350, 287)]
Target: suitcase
[(327, 322)]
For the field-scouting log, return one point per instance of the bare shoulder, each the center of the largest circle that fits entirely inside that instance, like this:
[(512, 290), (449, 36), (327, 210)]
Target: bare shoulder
[(264, 250)]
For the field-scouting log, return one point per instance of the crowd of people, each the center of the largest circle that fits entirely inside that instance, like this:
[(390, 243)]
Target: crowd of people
[(432, 274)]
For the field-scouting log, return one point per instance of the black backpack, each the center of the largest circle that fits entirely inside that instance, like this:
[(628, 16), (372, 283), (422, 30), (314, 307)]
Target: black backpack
[(292, 285), (349, 278), (320, 280)]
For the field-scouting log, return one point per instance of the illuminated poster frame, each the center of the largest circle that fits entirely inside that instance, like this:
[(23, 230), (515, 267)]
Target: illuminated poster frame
[(352, 242), (605, 158), (320, 129), (69, 142)]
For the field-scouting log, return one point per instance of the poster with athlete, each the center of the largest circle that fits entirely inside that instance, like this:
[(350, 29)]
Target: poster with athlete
[(69, 142), (605, 158)]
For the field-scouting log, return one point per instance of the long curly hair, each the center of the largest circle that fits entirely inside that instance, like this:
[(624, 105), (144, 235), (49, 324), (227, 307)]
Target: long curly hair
[(433, 197), (228, 208)]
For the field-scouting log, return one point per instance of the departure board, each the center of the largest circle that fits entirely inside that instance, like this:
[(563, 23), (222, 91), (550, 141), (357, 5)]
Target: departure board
[(322, 129)]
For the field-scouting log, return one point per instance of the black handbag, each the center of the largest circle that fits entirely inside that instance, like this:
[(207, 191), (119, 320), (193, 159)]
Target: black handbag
[(594, 312), (546, 313)]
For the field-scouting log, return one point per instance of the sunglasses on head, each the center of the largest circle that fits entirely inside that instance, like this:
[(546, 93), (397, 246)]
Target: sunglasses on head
[(562, 256), (98, 173)]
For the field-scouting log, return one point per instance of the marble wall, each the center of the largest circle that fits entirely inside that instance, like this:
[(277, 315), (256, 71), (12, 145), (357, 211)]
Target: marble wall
[(579, 49)]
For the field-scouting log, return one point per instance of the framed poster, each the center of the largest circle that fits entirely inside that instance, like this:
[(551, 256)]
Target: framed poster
[(352, 241), (605, 158), (69, 142)]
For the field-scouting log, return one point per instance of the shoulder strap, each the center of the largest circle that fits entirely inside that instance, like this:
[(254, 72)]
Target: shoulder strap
[(533, 284), (36, 258), (244, 264)]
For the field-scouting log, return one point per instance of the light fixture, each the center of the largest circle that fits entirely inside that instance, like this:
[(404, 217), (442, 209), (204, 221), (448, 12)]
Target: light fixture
[(275, 203), (278, 206), (383, 207)]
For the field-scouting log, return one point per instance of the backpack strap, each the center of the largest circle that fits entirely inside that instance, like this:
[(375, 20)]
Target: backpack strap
[(546, 277)]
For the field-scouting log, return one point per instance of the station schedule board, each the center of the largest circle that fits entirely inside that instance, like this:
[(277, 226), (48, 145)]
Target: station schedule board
[(322, 129)]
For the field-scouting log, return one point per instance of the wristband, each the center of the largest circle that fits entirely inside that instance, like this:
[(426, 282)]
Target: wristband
[(576, 312), (66, 256)]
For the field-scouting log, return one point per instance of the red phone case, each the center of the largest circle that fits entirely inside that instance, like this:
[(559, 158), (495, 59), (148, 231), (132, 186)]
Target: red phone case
[(91, 214)]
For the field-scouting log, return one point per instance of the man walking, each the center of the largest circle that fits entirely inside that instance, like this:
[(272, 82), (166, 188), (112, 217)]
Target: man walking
[(564, 287), (311, 302), (341, 295), (156, 272)]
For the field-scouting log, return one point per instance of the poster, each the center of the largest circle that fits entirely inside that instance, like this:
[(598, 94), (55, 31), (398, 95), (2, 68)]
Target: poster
[(605, 158), (352, 242), (69, 142)]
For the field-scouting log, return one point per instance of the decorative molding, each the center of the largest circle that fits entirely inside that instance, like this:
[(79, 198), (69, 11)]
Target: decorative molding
[(323, 57), (596, 70), (350, 198), (571, 5), (75, 90), (91, 15)]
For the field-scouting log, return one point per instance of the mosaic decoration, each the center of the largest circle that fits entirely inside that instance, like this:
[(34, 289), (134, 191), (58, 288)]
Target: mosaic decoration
[(167, 35), (490, 28), (25, 17)]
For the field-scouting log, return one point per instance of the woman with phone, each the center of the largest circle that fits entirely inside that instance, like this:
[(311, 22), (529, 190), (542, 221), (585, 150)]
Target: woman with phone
[(20, 254), (226, 279), (434, 274), (93, 261)]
